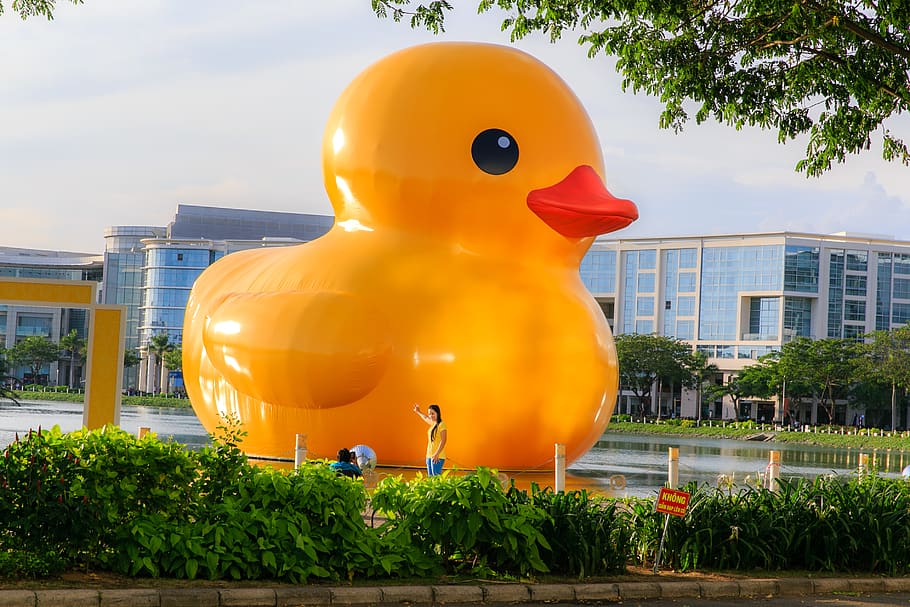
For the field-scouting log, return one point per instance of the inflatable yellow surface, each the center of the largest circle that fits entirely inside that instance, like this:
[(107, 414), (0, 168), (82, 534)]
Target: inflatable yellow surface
[(466, 183)]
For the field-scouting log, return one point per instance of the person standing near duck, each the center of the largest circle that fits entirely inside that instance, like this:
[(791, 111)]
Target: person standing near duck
[(436, 438)]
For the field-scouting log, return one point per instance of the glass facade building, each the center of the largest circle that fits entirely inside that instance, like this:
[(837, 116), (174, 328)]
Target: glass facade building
[(738, 297), (151, 270)]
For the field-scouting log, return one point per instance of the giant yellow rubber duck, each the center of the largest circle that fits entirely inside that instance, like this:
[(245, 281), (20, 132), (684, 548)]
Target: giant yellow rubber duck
[(466, 184)]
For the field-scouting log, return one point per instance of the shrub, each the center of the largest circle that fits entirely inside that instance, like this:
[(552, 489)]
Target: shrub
[(467, 521), (586, 536)]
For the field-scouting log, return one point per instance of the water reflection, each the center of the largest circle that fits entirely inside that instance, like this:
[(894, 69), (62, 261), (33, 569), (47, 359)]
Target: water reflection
[(640, 462), (179, 425)]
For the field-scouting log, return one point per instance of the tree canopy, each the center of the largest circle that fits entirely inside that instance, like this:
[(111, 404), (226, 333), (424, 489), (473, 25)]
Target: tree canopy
[(34, 352), (836, 71), (646, 359), (33, 8)]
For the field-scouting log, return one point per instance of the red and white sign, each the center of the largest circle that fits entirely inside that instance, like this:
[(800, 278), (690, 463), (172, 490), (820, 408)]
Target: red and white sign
[(672, 501)]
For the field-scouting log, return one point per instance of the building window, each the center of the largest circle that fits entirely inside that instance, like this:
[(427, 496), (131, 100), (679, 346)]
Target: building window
[(647, 259), (854, 332), (645, 306), (688, 258), (883, 292), (901, 288), (598, 271), (858, 261), (685, 306), (801, 269), (687, 282), (685, 329), (763, 315), (836, 294), (797, 317), (855, 311), (902, 263), (855, 285), (646, 282), (901, 315)]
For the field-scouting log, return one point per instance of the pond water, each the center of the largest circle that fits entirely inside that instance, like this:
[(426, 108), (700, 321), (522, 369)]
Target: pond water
[(639, 463)]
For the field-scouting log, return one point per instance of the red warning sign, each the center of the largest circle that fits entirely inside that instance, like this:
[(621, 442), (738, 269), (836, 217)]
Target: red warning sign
[(672, 501)]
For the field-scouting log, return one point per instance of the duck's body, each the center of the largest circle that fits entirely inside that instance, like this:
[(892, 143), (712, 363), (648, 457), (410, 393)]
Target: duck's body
[(439, 282)]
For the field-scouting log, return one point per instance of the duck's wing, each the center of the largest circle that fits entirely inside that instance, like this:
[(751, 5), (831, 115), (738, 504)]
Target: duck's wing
[(299, 349)]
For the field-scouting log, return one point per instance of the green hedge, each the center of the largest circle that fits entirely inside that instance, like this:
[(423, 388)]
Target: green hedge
[(109, 501), (63, 394)]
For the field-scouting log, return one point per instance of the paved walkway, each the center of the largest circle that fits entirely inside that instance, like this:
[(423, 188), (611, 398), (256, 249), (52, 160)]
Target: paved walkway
[(461, 594)]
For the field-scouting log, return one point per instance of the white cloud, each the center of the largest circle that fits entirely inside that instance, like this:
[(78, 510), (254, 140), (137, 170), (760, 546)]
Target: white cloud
[(118, 110)]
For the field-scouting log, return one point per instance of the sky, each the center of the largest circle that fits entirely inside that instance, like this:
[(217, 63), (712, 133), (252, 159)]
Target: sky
[(117, 111)]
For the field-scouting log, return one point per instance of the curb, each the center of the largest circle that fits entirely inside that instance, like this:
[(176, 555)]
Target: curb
[(483, 594)]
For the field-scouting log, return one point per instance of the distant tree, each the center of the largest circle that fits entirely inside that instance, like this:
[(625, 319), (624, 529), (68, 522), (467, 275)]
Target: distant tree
[(886, 360), (826, 366), (130, 359), (759, 380), (160, 345), (35, 352), (173, 360), (32, 8), (6, 388), (732, 389), (836, 71), (72, 348), (646, 359), (701, 373)]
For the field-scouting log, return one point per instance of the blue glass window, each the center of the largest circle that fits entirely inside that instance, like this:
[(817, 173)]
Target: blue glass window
[(688, 258), (855, 285), (685, 329), (644, 327), (902, 288), (647, 259), (797, 317), (646, 282), (854, 332), (645, 306), (801, 269), (902, 263), (857, 261), (901, 315), (883, 293), (763, 315), (836, 294), (854, 310), (598, 271), (685, 306), (687, 282), (725, 272)]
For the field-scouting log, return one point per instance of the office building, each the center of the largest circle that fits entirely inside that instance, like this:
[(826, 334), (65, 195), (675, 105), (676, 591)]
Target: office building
[(738, 297), (152, 269)]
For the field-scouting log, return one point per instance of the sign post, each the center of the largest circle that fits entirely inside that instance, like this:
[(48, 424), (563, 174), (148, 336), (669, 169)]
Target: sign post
[(669, 502)]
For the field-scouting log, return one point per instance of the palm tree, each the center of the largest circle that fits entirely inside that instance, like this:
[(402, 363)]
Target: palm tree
[(74, 346), (159, 345), (174, 360)]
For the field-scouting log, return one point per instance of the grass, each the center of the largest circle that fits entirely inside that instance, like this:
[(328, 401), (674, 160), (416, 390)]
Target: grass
[(78, 397), (827, 436)]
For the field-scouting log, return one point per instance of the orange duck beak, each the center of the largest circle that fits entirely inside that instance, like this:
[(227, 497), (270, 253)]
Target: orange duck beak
[(580, 205)]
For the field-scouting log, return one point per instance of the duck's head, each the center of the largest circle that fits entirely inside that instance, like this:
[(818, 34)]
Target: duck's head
[(477, 144)]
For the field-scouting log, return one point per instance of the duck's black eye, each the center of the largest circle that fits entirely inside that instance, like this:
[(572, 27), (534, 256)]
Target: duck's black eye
[(495, 152)]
